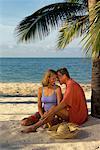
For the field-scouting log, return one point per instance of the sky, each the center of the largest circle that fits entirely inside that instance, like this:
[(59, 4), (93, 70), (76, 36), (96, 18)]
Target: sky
[(11, 13)]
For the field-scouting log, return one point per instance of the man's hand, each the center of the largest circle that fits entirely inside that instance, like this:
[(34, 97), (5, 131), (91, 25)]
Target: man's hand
[(48, 115)]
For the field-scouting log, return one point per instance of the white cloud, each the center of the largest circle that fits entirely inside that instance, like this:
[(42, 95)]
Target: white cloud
[(46, 47)]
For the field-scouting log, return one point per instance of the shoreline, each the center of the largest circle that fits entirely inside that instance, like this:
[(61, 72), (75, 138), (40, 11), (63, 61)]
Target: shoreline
[(27, 89)]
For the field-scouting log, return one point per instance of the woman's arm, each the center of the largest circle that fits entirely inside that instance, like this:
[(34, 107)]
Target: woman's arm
[(40, 109), (59, 94)]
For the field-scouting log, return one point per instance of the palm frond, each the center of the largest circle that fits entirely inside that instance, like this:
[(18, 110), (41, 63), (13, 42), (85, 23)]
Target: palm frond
[(45, 18), (72, 30), (80, 26), (84, 2), (92, 39)]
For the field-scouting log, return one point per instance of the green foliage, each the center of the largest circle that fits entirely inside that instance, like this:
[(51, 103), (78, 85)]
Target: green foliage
[(84, 2), (42, 21), (92, 38), (81, 26), (71, 30)]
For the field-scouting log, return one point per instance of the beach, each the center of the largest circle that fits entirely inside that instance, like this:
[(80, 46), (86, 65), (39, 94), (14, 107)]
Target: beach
[(19, 100), (30, 89)]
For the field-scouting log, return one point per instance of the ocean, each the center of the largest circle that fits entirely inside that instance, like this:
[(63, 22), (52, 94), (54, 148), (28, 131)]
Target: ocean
[(33, 69)]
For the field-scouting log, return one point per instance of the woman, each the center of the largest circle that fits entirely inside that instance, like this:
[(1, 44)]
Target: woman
[(49, 95)]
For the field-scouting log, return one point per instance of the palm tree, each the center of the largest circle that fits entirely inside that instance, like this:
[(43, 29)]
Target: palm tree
[(77, 15), (92, 45), (95, 39)]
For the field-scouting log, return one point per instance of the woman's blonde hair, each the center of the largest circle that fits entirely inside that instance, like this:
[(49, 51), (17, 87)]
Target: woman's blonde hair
[(47, 75)]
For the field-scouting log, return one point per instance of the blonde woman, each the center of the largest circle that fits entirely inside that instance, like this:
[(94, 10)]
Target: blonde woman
[(49, 95)]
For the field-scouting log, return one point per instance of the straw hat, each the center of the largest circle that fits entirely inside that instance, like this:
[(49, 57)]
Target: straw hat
[(64, 131)]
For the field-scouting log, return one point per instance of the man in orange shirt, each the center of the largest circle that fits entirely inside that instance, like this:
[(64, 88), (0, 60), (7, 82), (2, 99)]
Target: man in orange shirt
[(73, 106), (74, 101)]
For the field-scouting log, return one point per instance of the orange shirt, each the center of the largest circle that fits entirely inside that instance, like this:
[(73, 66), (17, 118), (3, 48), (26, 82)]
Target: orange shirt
[(74, 98)]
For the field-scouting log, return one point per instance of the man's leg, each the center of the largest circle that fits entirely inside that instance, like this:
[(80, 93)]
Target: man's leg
[(34, 127), (63, 114)]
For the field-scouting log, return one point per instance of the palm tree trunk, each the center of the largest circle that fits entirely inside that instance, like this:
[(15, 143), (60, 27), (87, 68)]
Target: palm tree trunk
[(95, 97), (95, 84)]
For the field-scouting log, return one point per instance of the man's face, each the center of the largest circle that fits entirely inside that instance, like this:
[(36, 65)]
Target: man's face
[(61, 78)]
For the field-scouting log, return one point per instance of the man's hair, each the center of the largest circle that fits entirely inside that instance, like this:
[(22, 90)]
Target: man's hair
[(64, 71)]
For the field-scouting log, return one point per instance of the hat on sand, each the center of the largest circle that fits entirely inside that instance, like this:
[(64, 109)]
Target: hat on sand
[(64, 131)]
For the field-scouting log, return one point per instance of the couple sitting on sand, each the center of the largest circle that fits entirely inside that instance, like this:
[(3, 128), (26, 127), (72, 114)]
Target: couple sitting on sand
[(54, 108)]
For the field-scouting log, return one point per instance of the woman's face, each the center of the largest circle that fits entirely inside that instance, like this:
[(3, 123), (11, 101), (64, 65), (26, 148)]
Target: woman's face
[(52, 79)]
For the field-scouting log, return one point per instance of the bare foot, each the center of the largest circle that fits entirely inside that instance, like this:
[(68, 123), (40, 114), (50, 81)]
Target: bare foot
[(28, 130)]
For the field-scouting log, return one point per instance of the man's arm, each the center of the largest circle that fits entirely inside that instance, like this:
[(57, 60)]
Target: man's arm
[(66, 102), (54, 110)]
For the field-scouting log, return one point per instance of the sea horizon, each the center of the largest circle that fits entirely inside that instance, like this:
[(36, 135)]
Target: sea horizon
[(43, 57), (28, 69)]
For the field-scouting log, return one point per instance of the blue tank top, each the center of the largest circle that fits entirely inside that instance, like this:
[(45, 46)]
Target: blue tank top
[(48, 101)]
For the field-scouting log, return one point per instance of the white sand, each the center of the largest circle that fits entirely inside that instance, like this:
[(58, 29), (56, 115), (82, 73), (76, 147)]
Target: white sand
[(28, 89), (13, 109), (11, 138)]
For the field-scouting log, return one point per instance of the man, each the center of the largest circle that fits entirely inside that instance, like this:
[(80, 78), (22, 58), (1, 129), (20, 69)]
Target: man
[(73, 106), (74, 101)]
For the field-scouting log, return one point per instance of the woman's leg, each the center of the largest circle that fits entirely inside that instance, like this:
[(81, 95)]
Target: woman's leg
[(31, 119)]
